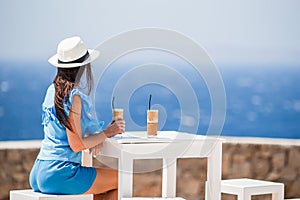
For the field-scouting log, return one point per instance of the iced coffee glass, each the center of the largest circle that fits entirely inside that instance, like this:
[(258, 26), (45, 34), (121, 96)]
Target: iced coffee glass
[(117, 114), (152, 122)]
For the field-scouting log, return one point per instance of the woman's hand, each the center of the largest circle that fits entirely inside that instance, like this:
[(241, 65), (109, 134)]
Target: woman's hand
[(114, 128), (96, 149)]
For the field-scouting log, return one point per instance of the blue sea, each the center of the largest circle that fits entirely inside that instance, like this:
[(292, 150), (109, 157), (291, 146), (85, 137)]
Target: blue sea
[(261, 101)]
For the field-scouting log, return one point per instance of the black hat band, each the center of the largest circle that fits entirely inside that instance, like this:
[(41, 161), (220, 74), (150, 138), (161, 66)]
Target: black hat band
[(79, 60)]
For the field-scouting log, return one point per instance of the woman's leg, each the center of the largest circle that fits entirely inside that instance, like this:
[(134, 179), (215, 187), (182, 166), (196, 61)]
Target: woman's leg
[(106, 180), (110, 195)]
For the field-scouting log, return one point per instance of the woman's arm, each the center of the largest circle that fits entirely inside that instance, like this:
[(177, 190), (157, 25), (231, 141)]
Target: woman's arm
[(77, 143)]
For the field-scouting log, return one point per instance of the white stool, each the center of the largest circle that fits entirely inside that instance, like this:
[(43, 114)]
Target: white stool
[(31, 195), (153, 198), (244, 188)]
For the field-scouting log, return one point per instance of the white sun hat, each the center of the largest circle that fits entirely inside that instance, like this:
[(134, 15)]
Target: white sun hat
[(71, 52)]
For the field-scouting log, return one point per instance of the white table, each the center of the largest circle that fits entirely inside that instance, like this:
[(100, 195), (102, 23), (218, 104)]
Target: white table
[(169, 146)]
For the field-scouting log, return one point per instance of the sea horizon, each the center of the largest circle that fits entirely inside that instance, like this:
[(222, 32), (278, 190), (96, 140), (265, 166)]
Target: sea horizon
[(261, 101)]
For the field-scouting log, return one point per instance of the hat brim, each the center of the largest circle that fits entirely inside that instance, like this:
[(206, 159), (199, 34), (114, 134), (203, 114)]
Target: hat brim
[(93, 55)]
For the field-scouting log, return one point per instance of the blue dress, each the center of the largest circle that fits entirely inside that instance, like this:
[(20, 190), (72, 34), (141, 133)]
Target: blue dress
[(57, 169)]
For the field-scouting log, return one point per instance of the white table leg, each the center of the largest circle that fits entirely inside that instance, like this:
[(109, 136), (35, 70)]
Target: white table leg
[(125, 182), (169, 177), (86, 159), (214, 170)]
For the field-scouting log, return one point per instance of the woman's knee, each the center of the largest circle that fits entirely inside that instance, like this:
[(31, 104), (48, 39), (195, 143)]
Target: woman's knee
[(108, 174), (111, 176), (106, 180)]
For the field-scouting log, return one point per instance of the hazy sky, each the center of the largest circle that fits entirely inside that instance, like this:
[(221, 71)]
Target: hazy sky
[(256, 31)]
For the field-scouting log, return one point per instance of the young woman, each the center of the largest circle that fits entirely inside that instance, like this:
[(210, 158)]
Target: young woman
[(70, 128)]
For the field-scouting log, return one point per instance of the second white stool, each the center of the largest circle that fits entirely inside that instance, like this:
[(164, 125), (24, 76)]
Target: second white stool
[(153, 198), (245, 187)]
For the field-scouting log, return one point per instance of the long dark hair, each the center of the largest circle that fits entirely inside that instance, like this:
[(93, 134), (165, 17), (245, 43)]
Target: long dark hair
[(65, 81)]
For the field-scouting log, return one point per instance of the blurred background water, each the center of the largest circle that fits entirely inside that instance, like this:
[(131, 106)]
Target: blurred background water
[(262, 103), (254, 44)]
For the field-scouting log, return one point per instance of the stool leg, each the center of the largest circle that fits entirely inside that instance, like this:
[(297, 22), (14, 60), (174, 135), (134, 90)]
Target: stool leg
[(244, 196), (279, 195)]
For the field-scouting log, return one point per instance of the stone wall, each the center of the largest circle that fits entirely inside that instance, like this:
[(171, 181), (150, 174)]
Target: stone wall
[(15, 166), (273, 161)]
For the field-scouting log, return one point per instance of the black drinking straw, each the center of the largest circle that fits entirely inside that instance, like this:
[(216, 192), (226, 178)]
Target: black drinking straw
[(113, 103), (113, 107), (150, 101)]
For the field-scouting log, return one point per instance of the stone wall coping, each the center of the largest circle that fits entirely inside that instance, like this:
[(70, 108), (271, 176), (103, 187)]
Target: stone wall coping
[(36, 144), (258, 140), (22, 144)]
